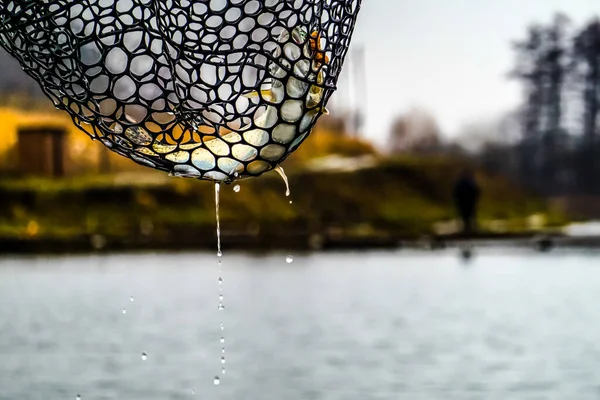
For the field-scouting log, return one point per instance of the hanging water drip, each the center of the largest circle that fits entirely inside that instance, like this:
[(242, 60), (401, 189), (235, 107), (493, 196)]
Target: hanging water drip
[(215, 90), (221, 307), (281, 173)]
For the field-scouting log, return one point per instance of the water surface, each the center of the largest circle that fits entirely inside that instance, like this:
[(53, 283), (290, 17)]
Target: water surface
[(512, 324)]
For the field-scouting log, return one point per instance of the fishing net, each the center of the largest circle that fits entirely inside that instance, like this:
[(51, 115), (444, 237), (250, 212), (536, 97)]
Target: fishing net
[(211, 89)]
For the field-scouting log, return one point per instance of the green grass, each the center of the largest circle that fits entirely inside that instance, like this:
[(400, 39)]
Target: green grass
[(402, 196)]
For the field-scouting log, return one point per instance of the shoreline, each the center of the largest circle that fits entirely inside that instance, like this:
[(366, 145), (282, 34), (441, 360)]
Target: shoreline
[(396, 203), (538, 241)]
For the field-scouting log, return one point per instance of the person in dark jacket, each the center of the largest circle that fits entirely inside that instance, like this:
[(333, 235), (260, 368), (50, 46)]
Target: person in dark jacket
[(466, 198)]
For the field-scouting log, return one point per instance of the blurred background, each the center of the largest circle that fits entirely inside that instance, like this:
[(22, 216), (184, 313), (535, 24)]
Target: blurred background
[(440, 240)]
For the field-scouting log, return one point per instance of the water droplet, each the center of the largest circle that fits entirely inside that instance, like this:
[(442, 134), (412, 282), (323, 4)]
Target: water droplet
[(222, 326), (217, 380), (289, 259), (222, 339), (131, 299), (281, 172), (236, 188), (222, 360), (223, 350), (193, 392), (124, 311), (291, 202), (144, 356), (221, 297), (223, 370), (217, 195), (220, 281), (221, 306), (78, 397)]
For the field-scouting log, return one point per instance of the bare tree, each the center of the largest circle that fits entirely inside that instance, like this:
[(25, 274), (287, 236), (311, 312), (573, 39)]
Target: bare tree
[(543, 66), (415, 132)]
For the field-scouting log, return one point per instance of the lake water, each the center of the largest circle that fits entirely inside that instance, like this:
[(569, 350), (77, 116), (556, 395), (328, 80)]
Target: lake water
[(512, 324)]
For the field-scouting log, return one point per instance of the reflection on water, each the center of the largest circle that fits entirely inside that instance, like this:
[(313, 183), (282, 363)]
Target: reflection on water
[(514, 325)]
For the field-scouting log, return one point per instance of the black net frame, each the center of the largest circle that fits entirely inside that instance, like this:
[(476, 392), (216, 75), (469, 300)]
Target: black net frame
[(213, 89)]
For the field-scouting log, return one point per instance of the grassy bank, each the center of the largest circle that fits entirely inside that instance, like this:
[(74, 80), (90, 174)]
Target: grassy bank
[(402, 198)]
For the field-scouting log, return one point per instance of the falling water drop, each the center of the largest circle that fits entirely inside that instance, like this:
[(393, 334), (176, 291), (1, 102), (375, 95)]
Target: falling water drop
[(223, 370), (144, 356), (222, 360), (131, 299), (217, 192), (236, 188), (193, 392), (124, 311), (281, 172), (289, 259), (220, 255), (78, 397)]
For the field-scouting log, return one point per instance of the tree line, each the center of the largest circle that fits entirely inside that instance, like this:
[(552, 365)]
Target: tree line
[(551, 143), (558, 66)]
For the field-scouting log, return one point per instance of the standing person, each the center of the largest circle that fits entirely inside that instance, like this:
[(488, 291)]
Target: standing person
[(466, 198)]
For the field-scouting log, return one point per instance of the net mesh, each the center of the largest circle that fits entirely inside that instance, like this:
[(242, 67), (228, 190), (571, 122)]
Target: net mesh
[(213, 89)]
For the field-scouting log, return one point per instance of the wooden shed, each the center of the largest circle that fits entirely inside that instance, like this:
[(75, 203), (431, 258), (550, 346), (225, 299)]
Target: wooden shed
[(42, 150)]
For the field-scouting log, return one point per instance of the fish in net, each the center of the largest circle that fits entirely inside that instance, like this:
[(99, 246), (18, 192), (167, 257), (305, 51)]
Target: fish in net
[(215, 89)]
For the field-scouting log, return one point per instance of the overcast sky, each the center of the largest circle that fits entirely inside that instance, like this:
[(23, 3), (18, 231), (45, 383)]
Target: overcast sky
[(450, 57)]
